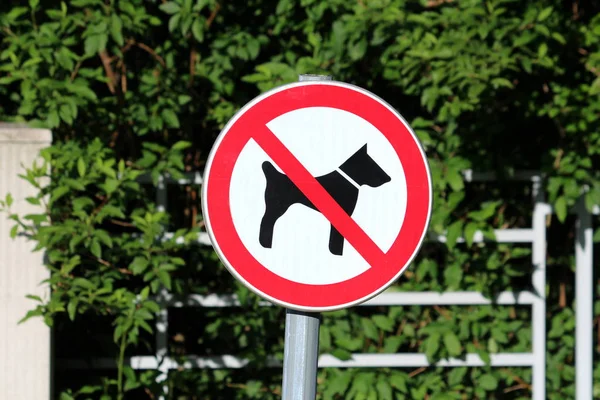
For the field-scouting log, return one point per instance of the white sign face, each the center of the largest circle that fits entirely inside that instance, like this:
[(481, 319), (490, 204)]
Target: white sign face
[(317, 195), (322, 139)]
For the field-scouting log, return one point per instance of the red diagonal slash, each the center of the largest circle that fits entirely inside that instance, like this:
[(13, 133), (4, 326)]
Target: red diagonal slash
[(321, 199)]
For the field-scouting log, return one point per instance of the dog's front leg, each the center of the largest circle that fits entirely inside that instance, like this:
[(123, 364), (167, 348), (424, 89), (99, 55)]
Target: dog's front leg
[(336, 242), (267, 224)]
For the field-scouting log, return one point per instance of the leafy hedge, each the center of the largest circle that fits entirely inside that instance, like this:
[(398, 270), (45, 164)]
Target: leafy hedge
[(134, 89)]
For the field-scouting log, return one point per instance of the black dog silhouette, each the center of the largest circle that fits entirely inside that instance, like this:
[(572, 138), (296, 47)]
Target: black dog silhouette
[(280, 193)]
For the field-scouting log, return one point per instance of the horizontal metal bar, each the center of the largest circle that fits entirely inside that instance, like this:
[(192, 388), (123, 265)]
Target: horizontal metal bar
[(402, 360), (449, 298), (211, 300), (203, 238), (502, 236), (190, 178), (384, 299), (420, 360), (195, 178), (471, 176)]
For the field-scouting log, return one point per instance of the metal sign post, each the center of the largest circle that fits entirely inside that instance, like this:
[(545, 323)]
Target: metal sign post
[(300, 355), (301, 349)]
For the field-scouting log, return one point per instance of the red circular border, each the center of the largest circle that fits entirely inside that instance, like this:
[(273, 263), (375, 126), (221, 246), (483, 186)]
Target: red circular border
[(220, 222)]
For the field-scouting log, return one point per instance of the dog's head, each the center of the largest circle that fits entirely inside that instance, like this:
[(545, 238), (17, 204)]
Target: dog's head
[(364, 170)]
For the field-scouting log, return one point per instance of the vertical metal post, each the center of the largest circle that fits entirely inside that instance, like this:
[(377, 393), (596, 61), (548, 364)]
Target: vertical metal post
[(162, 318), (538, 322), (584, 289), (300, 356), (301, 351)]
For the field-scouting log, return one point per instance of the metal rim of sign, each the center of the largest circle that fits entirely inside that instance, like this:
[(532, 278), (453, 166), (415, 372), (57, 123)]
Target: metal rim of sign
[(237, 249)]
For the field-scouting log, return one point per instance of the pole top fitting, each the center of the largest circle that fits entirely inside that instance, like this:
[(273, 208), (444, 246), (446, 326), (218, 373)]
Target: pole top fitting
[(311, 77)]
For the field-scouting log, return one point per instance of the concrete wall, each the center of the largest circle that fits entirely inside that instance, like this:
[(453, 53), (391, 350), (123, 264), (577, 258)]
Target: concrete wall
[(24, 349)]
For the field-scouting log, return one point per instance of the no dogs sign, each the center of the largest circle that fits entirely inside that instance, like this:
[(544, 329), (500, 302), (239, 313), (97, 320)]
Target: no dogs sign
[(317, 195)]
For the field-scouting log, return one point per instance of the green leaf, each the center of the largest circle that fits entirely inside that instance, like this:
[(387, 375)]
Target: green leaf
[(14, 231), (432, 345), (170, 118), (198, 29), (104, 237), (470, 230), (84, 283), (341, 354), (33, 297), (383, 322), (181, 145), (15, 13), (252, 388), (174, 22), (165, 278), (65, 113), (391, 344), (544, 14), (81, 167), (492, 345), (139, 265), (96, 249), (559, 38), (560, 207), (596, 238), (82, 91), (53, 119), (9, 200), (338, 384), (95, 43), (111, 185), (36, 218), (369, 329), (72, 309), (30, 314), (542, 50), (398, 380), (358, 49), (33, 201), (456, 376), (58, 193), (453, 233), (170, 7), (131, 380), (453, 276), (118, 332), (384, 389), (116, 28), (89, 389), (452, 343), (487, 382), (455, 180)]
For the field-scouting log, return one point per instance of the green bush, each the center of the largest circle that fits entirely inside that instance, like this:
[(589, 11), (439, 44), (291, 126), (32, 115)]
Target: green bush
[(135, 89)]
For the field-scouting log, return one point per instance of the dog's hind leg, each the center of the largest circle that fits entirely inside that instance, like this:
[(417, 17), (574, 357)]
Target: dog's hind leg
[(276, 187), (336, 242), (267, 226)]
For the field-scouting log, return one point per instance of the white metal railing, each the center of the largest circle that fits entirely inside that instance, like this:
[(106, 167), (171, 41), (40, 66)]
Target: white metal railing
[(536, 359), (584, 296)]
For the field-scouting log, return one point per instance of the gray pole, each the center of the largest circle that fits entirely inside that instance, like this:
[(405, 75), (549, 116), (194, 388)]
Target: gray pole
[(300, 356), (301, 350)]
